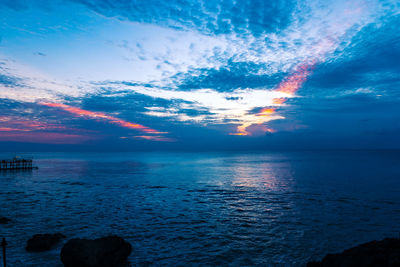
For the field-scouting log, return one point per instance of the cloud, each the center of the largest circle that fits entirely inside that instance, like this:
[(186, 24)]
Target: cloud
[(14, 4), (29, 122), (153, 134), (20, 5), (368, 66), (20, 82), (8, 81), (208, 17), (192, 66), (230, 77), (40, 54), (215, 107), (279, 33), (250, 60)]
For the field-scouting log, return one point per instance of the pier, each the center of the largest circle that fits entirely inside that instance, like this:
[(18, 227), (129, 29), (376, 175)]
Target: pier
[(17, 164)]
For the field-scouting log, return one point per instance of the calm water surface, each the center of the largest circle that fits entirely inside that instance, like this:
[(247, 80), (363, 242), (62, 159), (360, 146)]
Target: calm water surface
[(205, 209)]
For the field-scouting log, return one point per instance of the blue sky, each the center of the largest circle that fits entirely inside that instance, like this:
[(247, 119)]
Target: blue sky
[(199, 75)]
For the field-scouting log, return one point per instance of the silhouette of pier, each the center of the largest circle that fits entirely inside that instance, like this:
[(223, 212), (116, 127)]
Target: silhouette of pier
[(4, 244), (17, 164)]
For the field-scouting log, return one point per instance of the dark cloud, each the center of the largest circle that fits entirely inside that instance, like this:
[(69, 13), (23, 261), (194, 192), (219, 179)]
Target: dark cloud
[(346, 118), (24, 4), (133, 106), (120, 101), (350, 101), (14, 4), (234, 75), (9, 81), (371, 61), (209, 17), (39, 54)]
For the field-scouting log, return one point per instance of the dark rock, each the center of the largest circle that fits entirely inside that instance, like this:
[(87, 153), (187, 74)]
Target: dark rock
[(4, 220), (374, 254), (43, 242), (101, 252)]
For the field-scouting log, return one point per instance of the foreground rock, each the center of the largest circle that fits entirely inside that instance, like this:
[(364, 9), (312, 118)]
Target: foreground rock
[(101, 252), (43, 242), (4, 220), (376, 253)]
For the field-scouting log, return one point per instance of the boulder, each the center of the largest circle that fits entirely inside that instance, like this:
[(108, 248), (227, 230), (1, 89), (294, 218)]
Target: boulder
[(4, 220), (374, 254), (101, 252), (43, 242)]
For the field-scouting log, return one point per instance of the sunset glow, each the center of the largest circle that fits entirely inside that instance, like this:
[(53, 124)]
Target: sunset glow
[(289, 87), (229, 70), (102, 116), (199, 132)]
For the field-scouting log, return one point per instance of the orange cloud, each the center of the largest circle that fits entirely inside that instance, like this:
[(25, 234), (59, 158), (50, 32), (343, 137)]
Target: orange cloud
[(16, 123), (278, 101), (289, 86), (266, 112), (8, 129), (239, 133), (102, 116), (154, 138)]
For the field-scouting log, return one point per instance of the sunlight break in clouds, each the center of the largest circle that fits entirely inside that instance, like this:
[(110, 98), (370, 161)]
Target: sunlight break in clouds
[(230, 107), (222, 107), (305, 44), (289, 86), (213, 63)]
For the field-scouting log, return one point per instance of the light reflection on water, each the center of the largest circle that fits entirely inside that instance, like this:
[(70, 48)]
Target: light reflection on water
[(208, 208), (265, 177)]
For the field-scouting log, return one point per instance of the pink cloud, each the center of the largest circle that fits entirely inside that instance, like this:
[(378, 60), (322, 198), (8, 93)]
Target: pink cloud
[(103, 116)]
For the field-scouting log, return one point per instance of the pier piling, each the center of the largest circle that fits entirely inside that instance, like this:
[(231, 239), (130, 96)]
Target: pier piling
[(16, 163), (4, 244)]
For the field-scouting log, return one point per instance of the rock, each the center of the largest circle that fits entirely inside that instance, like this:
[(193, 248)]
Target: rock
[(374, 254), (43, 242), (101, 252), (4, 220)]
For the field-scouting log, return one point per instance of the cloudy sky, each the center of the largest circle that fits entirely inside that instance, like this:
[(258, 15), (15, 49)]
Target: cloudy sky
[(201, 75)]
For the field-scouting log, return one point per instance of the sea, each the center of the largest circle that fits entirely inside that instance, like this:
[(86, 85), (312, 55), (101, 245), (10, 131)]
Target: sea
[(204, 209)]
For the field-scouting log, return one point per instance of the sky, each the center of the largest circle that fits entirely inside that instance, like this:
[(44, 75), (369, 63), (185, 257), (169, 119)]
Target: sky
[(126, 75)]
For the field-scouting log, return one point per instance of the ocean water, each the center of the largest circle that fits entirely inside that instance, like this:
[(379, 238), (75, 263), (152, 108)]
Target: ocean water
[(205, 209)]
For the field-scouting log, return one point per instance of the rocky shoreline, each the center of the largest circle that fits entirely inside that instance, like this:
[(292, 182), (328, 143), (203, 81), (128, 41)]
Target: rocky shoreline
[(102, 252), (114, 251), (383, 253)]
